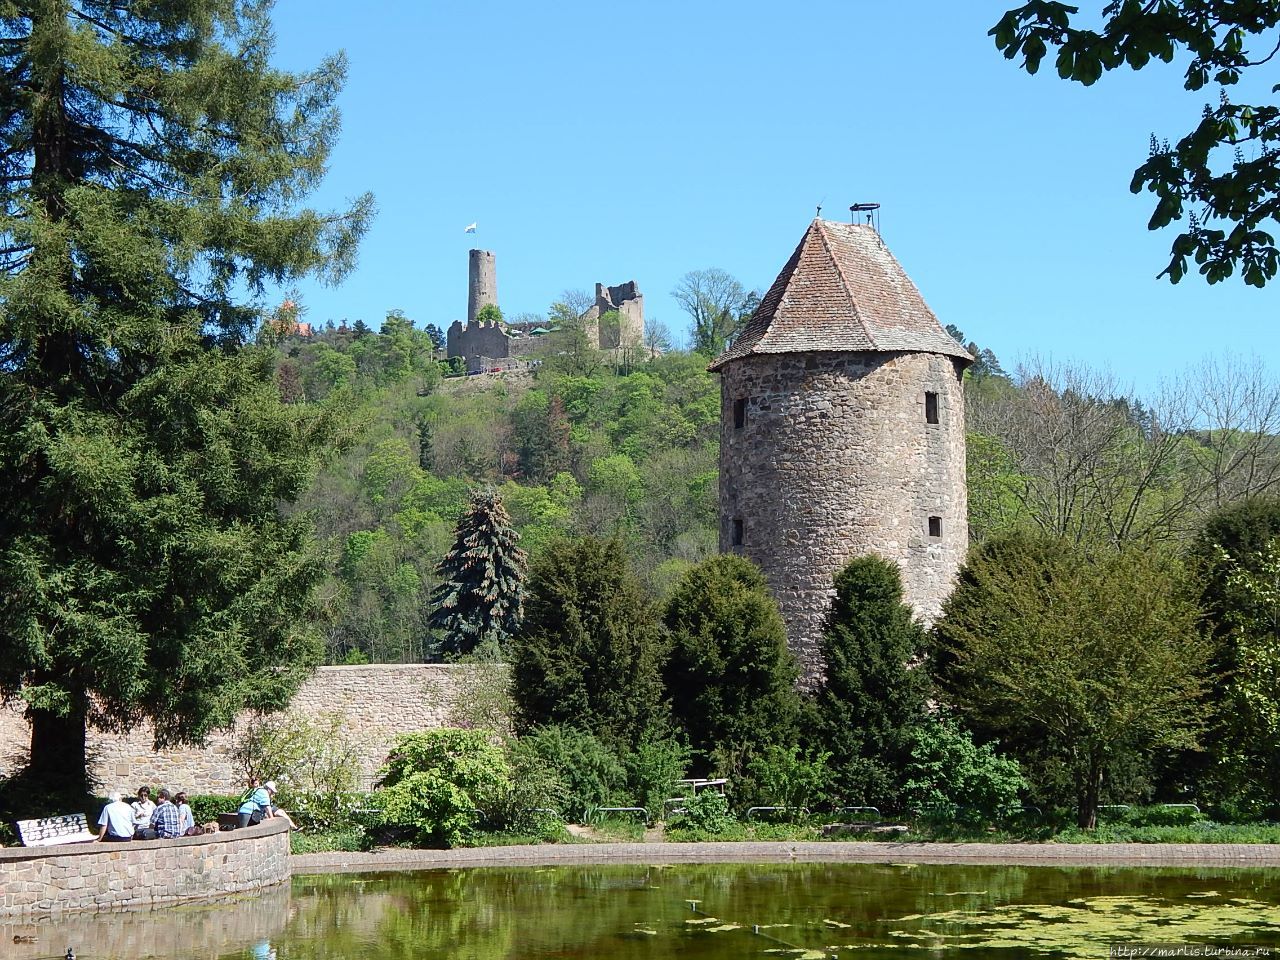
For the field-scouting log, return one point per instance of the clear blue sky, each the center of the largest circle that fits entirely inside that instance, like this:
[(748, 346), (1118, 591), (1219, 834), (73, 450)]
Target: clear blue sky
[(609, 142)]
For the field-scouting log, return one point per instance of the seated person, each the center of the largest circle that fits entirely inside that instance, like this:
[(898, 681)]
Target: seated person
[(274, 811), (186, 819), (116, 820), (256, 804), (164, 821), (143, 808)]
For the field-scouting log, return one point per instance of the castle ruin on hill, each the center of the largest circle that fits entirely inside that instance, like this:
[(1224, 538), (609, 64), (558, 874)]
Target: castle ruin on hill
[(485, 344), (842, 432)]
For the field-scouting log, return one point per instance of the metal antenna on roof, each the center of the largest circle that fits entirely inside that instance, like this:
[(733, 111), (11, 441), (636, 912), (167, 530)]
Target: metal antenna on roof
[(871, 212)]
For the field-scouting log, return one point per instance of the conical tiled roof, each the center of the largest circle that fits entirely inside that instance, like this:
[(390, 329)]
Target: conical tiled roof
[(842, 290)]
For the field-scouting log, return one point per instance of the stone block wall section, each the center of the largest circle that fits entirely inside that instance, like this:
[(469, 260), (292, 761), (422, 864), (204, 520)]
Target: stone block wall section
[(105, 876), (377, 702), (482, 282), (826, 456)]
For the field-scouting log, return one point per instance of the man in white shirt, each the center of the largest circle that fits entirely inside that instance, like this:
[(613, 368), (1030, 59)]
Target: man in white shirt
[(116, 820)]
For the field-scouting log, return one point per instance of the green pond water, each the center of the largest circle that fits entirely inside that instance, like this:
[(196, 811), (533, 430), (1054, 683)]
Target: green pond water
[(763, 910)]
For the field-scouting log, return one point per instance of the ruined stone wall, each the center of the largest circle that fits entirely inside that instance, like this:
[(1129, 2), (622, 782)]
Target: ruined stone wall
[(477, 340), (482, 282), (834, 460), (104, 876), (628, 301), (377, 702)]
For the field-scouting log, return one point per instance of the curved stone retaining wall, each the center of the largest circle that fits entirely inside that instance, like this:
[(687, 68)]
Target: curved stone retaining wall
[(104, 876)]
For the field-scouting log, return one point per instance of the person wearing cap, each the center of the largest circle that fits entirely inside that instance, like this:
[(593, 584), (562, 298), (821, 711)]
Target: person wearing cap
[(273, 810), (257, 806)]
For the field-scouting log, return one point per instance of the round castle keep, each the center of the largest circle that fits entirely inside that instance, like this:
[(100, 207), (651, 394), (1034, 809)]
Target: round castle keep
[(482, 282), (842, 432)]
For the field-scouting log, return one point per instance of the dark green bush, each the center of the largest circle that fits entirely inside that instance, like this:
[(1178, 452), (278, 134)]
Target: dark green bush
[(589, 650), (589, 772), (871, 697), (730, 675)]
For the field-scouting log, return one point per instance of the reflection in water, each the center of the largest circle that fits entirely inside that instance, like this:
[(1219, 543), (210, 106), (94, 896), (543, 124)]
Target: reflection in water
[(191, 931), (741, 910)]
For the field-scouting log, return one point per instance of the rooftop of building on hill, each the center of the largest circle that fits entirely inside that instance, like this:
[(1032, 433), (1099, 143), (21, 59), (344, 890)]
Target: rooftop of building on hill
[(842, 290)]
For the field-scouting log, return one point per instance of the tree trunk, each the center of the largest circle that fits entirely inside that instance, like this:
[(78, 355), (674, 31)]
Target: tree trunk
[(1087, 812), (59, 761)]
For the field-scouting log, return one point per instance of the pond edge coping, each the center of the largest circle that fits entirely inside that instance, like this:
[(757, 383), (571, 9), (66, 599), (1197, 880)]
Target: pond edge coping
[(993, 854), (105, 876)]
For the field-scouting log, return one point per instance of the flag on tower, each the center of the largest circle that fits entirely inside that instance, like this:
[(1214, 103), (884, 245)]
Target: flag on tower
[(470, 229)]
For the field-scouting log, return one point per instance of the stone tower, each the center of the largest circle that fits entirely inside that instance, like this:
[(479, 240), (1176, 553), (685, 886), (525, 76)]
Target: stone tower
[(482, 283), (842, 432)]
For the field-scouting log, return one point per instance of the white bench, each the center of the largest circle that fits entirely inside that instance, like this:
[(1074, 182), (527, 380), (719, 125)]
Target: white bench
[(73, 828)]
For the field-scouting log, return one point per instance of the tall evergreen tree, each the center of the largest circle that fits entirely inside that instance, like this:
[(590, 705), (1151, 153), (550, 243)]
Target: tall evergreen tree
[(590, 649), (730, 676), (871, 697), (480, 599), (151, 163)]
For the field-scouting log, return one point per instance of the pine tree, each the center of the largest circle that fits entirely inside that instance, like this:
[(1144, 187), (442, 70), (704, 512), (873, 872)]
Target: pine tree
[(151, 163), (871, 697), (480, 599)]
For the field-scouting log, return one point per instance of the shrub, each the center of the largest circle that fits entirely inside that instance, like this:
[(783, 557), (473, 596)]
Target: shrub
[(314, 760), (590, 648), (788, 777), (537, 802), (653, 768), (206, 807), (871, 696), (589, 773), (949, 776), (706, 812), (730, 675), (435, 784)]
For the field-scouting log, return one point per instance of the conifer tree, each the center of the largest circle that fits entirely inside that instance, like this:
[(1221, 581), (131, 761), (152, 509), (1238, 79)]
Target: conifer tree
[(730, 676), (151, 166), (590, 651), (871, 698), (480, 599)]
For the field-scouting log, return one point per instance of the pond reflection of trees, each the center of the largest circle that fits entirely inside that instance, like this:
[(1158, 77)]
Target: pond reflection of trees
[(190, 931), (615, 912)]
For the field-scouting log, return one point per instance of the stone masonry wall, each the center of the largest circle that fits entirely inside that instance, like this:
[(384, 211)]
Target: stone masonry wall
[(103, 876), (477, 340), (835, 460), (482, 282), (377, 702)]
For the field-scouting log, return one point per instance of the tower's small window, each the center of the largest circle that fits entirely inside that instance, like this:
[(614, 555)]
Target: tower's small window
[(935, 527), (930, 407), (739, 414), (736, 524)]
